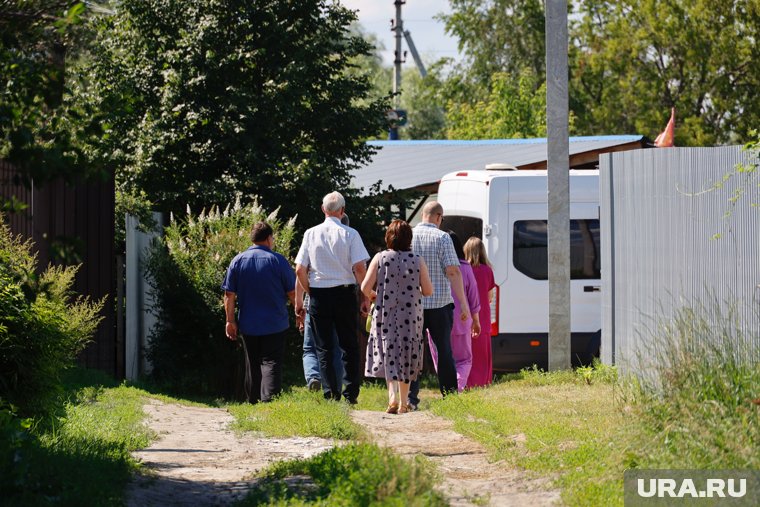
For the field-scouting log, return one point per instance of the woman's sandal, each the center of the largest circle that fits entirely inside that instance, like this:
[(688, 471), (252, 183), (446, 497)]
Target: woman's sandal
[(392, 408), (403, 409)]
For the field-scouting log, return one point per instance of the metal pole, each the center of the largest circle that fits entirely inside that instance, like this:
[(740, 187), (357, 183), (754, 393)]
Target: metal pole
[(558, 163)]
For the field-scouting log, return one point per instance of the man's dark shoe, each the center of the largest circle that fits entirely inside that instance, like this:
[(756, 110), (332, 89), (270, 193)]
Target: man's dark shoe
[(315, 384), (350, 401)]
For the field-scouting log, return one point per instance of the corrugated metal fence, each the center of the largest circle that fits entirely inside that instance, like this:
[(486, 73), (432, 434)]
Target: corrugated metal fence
[(660, 211)]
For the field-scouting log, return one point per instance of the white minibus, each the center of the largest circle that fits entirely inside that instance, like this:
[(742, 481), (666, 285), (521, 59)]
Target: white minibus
[(507, 209)]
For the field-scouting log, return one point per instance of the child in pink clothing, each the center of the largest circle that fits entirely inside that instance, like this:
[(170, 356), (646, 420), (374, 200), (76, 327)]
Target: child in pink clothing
[(462, 332)]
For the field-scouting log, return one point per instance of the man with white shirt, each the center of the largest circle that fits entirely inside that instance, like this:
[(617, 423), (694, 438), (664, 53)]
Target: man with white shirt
[(330, 264)]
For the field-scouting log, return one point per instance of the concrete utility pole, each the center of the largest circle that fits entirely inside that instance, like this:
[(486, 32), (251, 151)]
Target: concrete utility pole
[(558, 164), (398, 29)]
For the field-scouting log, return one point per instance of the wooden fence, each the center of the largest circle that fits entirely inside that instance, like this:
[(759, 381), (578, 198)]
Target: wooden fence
[(75, 223)]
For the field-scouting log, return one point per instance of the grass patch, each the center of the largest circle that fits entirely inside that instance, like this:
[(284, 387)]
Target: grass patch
[(552, 424), (81, 454), (300, 412), (297, 412), (355, 474)]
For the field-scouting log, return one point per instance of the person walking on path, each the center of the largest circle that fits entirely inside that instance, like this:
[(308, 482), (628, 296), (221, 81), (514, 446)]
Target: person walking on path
[(309, 358), (481, 373), (436, 248), (260, 281), (463, 332), (396, 281), (329, 265)]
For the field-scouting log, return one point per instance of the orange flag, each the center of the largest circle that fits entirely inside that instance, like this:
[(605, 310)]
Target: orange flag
[(665, 139)]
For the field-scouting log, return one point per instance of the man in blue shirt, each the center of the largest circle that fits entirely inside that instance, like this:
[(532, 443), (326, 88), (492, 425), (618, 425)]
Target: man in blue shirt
[(261, 281)]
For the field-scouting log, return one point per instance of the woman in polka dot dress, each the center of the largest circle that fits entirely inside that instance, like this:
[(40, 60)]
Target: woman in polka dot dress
[(396, 281)]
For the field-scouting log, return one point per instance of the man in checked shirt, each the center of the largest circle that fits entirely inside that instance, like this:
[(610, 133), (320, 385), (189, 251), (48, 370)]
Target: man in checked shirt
[(435, 246)]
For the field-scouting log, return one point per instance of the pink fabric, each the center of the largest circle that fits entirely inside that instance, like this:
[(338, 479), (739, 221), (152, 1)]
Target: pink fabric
[(461, 349), (461, 339), (481, 372)]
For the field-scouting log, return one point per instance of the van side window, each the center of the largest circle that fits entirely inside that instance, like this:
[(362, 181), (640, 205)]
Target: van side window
[(529, 249), (463, 226)]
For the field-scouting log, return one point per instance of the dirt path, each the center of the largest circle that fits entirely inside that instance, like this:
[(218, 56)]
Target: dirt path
[(198, 461), (468, 477)]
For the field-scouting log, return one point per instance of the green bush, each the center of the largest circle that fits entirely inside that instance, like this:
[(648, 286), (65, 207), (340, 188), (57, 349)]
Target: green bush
[(188, 349), (43, 327), (15, 444)]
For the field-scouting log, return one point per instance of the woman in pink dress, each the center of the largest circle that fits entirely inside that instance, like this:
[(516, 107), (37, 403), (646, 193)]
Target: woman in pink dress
[(481, 373), (463, 332)]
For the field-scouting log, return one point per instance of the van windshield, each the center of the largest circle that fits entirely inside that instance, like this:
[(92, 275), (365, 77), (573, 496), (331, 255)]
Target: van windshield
[(465, 227), (529, 249)]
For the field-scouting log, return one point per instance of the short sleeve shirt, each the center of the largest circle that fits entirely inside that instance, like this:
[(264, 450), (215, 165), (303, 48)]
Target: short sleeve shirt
[(261, 279), (436, 247), (330, 251)]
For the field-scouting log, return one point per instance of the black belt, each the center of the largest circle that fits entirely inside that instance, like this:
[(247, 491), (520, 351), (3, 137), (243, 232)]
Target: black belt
[(344, 286)]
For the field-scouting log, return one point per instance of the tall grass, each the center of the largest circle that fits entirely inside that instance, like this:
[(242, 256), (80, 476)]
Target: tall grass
[(699, 404), (355, 474)]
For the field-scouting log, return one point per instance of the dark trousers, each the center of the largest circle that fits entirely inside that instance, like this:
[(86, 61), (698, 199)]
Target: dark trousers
[(265, 354), (336, 308), (439, 322)]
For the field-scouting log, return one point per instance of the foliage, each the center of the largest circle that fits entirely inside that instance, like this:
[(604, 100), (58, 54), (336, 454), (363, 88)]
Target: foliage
[(188, 348), (355, 474), (699, 406), (498, 36), (44, 128), (514, 108), (633, 60), (43, 327), (630, 63), (15, 445), (213, 98), (423, 102)]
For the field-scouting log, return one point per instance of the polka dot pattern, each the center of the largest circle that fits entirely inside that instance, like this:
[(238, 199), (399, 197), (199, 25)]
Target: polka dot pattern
[(394, 350)]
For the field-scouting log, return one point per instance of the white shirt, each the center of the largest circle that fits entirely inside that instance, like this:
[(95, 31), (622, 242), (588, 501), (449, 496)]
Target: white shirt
[(330, 250)]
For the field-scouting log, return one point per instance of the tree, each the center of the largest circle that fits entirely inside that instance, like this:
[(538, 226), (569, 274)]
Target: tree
[(498, 36), (630, 62), (513, 108), (423, 102), (44, 131), (633, 60), (210, 98)]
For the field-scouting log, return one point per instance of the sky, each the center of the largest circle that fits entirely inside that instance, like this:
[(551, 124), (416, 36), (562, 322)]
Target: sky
[(427, 33)]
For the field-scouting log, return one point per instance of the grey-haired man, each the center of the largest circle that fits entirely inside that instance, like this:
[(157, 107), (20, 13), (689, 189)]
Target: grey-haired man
[(329, 265)]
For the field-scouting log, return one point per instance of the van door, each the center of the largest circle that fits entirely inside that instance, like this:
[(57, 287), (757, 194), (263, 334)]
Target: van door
[(524, 301)]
